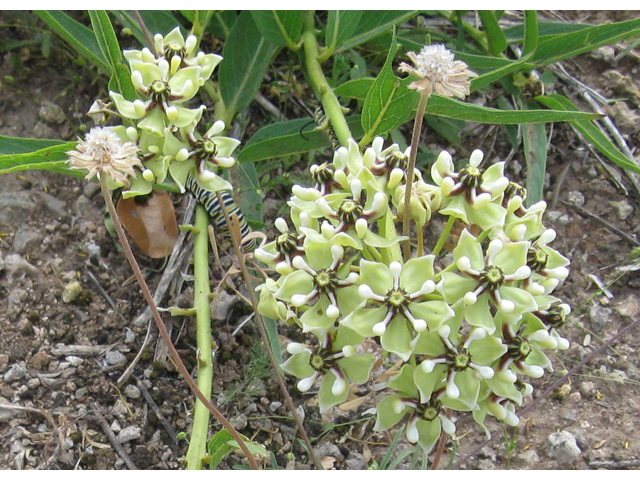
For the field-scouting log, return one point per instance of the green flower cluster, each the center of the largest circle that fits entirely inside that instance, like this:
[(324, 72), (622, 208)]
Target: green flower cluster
[(467, 330), (165, 128)]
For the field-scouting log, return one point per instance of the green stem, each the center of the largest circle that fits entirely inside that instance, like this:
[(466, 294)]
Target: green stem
[(173, 353), (415, 140), (204, 344), (443, 236), (330, 103), (387, 229)]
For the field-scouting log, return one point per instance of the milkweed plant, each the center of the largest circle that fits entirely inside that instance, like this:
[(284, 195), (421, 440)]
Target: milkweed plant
[(434, 334)]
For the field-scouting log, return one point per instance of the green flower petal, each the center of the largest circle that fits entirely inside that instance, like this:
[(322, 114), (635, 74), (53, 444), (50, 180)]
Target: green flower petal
[(403, 382), (357, 367), (363, 320), (429, 433), (386, 417), (377, 276), (415, 272), (298, 365), (139, 186), (454, 286), (486, 350), (397, 338), (427, 382), (469, 246), (479, 315), (326, 399)]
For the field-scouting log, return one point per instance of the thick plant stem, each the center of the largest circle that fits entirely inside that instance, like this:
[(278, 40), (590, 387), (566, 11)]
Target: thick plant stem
[(204, 344), (330, 103), (415, 140), (265, 337), (163, 331)]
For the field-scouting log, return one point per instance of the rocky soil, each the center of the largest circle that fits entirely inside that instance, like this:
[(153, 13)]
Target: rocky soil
[(71, 325)]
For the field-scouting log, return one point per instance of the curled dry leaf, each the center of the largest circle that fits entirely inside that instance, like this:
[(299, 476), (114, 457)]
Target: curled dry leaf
[(151, 224)]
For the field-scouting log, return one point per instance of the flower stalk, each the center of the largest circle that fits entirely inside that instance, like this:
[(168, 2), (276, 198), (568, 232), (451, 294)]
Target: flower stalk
[(201, 292), (330, 103)]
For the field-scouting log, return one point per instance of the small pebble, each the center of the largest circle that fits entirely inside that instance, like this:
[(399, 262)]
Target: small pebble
[(562, 447), (132, 391), (575, 197), (113, 357), (16, 372), (623, 209), (129, 433)]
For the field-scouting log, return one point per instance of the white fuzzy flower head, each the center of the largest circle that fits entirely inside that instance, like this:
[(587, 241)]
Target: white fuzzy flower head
[(437, 70), (103, 151)]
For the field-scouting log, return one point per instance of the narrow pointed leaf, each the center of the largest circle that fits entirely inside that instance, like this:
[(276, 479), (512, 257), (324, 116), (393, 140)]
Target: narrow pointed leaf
[(285, 138), (530, 43), (534, 138), (388, 103), (554, 48), (52, 158), (591, 132), (495, 36), (81, 38)]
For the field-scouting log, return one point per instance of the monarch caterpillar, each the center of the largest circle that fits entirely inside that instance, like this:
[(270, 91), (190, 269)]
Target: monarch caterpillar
[(209, 200)]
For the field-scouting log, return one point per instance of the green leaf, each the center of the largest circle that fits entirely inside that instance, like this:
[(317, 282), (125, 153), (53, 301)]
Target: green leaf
[(81, 38), (340, 26), (285, 138), (448, 107), (280, 27), (534, 138), (52, 158), (554, 48), (110, 48), (516, 33), (591, 132), (218, 447), (530, 42), (247, 55), (358, 88), (13, 145), (221, 23), (495, 75), (373, 23), (388, 103), (495, 36)]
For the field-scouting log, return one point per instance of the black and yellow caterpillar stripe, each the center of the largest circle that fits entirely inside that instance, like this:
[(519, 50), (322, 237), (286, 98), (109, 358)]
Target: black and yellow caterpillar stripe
[(209, 200)]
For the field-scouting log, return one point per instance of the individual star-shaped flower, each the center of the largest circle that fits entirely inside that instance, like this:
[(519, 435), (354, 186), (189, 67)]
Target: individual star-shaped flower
[(426, 418), (200, 158), (397, 303), (470, 193), (525, 337), (322, 286), (335, 359), (460, 361), (488, 278)]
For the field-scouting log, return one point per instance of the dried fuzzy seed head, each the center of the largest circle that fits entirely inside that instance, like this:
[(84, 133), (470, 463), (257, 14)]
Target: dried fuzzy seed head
[(103, 151), (437, 70)]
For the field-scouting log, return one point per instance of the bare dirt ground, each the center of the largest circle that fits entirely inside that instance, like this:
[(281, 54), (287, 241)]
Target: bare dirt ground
[(60, 360)]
